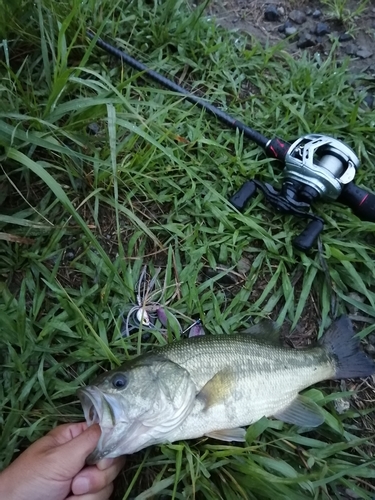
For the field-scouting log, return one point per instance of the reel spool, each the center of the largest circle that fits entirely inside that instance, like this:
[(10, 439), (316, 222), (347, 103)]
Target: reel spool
[(322, 163)]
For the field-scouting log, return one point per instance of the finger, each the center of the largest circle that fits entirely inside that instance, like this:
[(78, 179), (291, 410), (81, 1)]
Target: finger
[(66, 432), (59, 435), (56, 437), (105, 463), (103, 494), (72, 454), (91, 479)]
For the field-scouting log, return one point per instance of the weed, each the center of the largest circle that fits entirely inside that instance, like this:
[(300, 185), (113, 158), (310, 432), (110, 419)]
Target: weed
[(340, 11)]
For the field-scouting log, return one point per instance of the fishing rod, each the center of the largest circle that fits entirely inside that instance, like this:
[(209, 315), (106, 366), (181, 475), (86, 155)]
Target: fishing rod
[(316, 166)]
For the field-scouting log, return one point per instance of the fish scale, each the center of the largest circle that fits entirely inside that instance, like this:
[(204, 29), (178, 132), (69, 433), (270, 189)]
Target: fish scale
[(246, 356), (267, 378)]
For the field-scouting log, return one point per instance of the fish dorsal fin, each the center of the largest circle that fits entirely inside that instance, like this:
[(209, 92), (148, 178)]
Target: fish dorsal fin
[(302, 412), (237, 434), (266, 330), (217, 388)]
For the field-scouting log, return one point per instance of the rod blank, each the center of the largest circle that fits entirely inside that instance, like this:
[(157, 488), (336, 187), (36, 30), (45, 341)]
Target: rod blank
[(248, 132)]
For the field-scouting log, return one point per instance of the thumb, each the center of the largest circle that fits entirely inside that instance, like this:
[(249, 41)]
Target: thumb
[(74, 453)]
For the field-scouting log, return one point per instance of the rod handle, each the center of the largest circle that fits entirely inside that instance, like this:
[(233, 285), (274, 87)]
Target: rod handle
[(362, 202)]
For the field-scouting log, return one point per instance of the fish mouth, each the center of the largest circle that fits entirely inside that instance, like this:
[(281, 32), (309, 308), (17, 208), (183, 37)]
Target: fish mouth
[(92, 404), (102, 409)]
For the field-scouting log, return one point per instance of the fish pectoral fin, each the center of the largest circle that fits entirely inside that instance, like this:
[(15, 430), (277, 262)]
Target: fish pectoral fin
[(303, 412), (237, 434), (217, 388)]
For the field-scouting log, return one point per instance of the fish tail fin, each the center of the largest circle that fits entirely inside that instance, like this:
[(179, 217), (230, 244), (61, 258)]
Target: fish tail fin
[(341, 344)]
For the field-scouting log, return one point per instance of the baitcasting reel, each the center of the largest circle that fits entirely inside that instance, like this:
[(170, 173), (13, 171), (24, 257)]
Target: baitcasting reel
[(316, 167)]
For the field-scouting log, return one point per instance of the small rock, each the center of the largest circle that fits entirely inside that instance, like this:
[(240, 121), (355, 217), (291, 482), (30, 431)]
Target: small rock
[(369, 348), (364, 53), (281, 10), (227, 279), (322, 29), (297, 16), (243, 265), (351, 49), (284, 26), (355, 296), (345, 37), (292, 30), (306, 41), (69, 255), (351, 494), (271, 14), (317, 13), (369, 100), (341, 405), (93, 129), (308, 12)]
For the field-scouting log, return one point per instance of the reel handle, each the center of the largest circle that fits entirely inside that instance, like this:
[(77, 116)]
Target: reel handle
[(306, 240), (243, 195), (361, 202)]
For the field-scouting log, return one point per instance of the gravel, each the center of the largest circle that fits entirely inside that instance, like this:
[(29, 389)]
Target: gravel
[(304, 27)]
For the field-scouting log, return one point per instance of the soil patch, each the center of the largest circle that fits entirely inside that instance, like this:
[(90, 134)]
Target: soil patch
[(306, 26)]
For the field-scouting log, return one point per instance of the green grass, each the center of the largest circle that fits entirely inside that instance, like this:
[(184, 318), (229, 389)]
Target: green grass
[(81, 214), (341, 11)]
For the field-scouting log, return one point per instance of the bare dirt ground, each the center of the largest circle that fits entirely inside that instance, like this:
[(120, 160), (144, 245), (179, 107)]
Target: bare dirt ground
[(307, 25)]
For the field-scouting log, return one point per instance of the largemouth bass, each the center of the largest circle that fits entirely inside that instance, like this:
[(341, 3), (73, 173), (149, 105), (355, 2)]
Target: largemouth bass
[(214, 386)]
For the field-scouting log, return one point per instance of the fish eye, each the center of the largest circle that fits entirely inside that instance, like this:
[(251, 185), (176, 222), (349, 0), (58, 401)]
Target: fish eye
[(119, 381)]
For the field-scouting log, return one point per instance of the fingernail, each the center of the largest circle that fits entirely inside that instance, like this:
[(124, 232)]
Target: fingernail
[(105, 463), (81, 485)]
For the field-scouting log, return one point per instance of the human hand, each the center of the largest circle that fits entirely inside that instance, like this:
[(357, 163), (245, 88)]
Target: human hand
[(53, 468)]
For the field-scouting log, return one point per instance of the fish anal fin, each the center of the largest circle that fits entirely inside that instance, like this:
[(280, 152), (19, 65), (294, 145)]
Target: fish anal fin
[(217, 388), (302, 412), (237, 434)]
